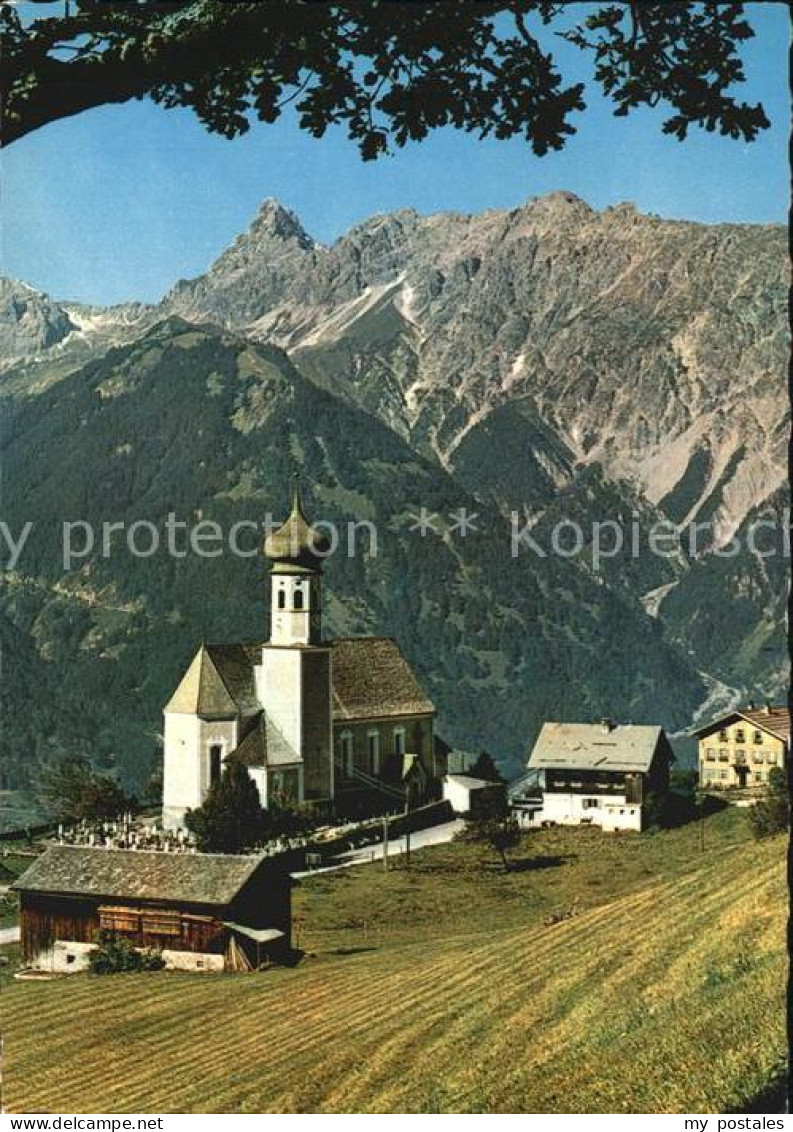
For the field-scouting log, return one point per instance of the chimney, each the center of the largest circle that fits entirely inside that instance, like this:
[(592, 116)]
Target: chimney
[(766, 708), (606, 726), (752, 705)]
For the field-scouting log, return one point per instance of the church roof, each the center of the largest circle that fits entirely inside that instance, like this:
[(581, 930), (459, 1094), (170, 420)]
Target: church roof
[(203, 691), (264, 745), (194, 878), (371, 679), (296, 543), (625, 747)]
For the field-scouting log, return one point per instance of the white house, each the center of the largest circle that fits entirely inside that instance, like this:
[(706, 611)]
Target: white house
[(470, 795), (593, 774)]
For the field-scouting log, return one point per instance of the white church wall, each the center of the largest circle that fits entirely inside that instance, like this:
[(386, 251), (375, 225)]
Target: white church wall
[(214, 733), (188, 740), (259, 776), (278, 687), (181, 770)]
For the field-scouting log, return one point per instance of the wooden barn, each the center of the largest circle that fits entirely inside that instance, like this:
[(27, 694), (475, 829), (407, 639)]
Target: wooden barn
[(203, 911)]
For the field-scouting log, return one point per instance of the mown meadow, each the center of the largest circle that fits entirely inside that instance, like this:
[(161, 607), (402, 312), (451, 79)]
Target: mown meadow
[(602, 974)]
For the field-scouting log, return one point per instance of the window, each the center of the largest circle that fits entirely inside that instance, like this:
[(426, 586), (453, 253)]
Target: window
[(723, 775), (282, 599), (215, 759), (119, 919), (758, 738), (591, 803), (399, 741), (70, 957), (710, 755), (723, 735), (160, 923), (346, 753), (374, 751), (758, 776), (757, 756), (724, 756), (771, 758), (740, 735), (298, 599), (633, 788)]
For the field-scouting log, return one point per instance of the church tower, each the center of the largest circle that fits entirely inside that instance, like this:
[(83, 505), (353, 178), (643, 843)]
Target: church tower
[(293, 680), (296, 551)]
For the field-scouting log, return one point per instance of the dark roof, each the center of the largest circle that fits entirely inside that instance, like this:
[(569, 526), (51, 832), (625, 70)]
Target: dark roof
[(372, 679), (591, 746), (190, 878), (264, 745), (774, 720)]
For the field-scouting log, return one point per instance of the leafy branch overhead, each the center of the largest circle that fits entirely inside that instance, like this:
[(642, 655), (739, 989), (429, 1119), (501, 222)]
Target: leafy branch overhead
[(389, 71)]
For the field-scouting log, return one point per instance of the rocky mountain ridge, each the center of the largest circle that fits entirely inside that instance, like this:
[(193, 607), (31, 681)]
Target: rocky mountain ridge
[(551, 360)]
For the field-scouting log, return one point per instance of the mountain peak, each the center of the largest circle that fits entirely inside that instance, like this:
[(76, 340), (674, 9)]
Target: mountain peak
[(559, 199), (274, 220)]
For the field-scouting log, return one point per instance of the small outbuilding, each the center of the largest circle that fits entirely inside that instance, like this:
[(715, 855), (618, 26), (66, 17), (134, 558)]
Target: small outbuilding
[(203, 911), (474, 796)]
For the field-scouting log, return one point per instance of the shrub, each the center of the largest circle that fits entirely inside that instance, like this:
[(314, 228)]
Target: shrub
[(114, 955), (769, 815)]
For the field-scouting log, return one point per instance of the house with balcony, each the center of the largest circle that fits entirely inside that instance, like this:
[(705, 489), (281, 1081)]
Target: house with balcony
[(739, 750), (593, 774)]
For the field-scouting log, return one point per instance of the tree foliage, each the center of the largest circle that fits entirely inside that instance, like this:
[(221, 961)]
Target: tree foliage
[(231, 818), (485, 768), (495, 826), (72, 791), (388, 71), (770, 814)]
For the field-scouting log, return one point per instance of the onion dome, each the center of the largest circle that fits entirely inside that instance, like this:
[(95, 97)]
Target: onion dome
[(296, 545)]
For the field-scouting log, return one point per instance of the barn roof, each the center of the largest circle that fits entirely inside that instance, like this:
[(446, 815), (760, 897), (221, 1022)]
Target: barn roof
[(773, 720), (371, 679), (189, 878), (594, 746)]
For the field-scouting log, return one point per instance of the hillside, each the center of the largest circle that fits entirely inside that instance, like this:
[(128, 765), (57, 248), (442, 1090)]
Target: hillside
[(203, 425), (663, 993), (552, 361)]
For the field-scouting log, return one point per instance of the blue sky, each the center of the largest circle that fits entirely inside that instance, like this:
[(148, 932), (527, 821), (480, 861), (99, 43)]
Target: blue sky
[(120, 202)]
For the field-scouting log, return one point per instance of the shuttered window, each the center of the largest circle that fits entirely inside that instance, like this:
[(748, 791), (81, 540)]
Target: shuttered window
[(116, 919), (161, 923)]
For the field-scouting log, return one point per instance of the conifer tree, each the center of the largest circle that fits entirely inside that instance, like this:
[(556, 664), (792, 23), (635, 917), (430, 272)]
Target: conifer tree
[(231, 819)]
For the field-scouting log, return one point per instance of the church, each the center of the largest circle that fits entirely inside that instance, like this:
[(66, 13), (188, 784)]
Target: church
[(340, 723)]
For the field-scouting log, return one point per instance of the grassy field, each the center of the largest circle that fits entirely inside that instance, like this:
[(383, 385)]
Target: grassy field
[(449, 988)]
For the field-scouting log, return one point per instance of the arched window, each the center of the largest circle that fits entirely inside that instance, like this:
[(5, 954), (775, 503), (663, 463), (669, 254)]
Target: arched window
[(281, 599), (298, 599), (215, 758)]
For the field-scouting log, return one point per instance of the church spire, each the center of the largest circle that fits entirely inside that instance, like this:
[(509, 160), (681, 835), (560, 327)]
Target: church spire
[(296, 545), (296, 550)]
